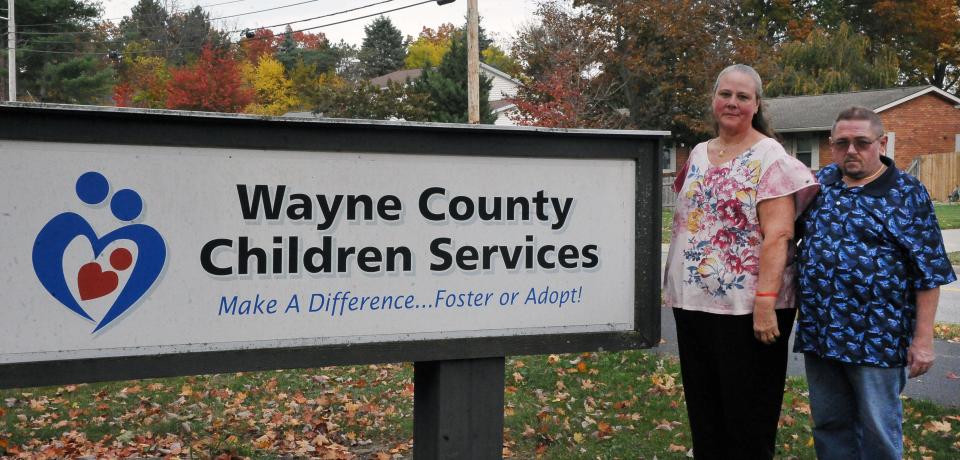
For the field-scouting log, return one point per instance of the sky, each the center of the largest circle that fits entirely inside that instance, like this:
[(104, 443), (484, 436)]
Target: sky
[(500, 18)]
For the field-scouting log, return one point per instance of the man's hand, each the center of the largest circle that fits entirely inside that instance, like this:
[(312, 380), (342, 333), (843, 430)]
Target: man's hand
[(765, 320), (920, 356)]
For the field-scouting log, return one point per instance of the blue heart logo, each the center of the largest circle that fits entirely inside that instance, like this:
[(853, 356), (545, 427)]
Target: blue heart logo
[(52, 241)]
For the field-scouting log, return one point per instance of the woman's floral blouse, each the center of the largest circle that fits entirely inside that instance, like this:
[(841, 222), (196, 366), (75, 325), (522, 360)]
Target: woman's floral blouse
[(714, 253)]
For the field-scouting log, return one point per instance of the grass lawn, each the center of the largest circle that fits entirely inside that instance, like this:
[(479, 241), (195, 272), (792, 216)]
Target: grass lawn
[(595, 405), (948, 215)]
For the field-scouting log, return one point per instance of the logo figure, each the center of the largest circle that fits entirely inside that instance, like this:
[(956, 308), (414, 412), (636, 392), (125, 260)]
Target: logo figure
[(93, 280)]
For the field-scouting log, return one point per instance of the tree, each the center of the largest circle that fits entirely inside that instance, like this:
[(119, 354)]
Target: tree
[(178, 37), (145, 84), (447, 86), (273, 92), (497, 58), (311, 50), (429, 47), (559, 57), (213, 83), (81, 80), (924, 33), (383, 48), (658, 70), (830, 62), (339, 98), (56, 50)]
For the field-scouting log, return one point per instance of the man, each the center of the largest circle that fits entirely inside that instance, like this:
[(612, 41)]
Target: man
[(871, 263)]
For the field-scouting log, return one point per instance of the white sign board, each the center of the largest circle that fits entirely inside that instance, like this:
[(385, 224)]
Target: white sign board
[(134, 250)]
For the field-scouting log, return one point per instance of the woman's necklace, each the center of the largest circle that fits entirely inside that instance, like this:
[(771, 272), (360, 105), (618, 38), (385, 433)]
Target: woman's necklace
[(725, 149)]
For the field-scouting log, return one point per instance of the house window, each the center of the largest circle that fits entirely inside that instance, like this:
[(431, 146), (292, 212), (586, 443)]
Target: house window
[(668, 158), (804, 150)]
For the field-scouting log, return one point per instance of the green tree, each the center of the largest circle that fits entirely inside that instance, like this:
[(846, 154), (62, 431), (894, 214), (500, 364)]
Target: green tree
[(446, 86), (497, 58), (924, 33), (830, 62), (383, 48), (56, 53), (339, 98), (178, 37), (81, 80)]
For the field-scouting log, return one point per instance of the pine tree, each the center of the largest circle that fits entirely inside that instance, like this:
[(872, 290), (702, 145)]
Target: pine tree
[(447, 86), (49, 72), (383, 49)]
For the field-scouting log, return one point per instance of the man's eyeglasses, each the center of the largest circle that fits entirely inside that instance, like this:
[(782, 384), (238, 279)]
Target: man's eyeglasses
[(860, 143)]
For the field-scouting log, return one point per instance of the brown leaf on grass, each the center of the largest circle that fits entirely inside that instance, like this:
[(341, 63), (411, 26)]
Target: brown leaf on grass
[(786, 420), (528, 431), (185, 390), (604, 429), (938, 426), (676, 448), (553, 359), (517, 377), (582, 366)]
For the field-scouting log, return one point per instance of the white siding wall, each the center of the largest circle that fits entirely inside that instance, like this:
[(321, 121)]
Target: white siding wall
[(502, 88)]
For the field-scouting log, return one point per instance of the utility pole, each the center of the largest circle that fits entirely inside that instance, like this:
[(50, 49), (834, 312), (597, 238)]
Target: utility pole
[(11, 53), (473, 62)]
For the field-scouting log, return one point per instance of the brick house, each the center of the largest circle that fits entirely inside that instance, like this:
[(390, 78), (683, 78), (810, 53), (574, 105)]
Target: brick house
[(919, 120)]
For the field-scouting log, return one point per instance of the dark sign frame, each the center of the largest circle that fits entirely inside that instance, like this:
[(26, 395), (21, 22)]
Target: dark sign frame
[(81, 124)]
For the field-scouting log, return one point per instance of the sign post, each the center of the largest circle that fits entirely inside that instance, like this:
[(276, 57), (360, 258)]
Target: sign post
[(157, 243)]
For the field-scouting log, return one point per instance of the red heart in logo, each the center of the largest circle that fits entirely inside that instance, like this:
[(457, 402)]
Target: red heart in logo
[(94, 282)]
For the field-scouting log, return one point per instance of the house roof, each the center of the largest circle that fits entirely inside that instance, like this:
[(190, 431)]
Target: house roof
[(817, 113), (402, 76)]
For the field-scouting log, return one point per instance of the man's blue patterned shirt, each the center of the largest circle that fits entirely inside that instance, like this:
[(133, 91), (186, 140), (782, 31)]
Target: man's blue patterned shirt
[(864, 253)]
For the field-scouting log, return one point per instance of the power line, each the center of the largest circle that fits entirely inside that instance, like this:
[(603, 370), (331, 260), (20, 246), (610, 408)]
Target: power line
[(159, 51), (29, 33), (337, 13), (172, 12)]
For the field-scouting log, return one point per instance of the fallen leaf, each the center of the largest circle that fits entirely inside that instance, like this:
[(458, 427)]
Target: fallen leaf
[(939, 427), (676, 448)]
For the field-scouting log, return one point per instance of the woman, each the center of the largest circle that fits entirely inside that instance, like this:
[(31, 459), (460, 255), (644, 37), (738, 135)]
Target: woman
[(729, 275)]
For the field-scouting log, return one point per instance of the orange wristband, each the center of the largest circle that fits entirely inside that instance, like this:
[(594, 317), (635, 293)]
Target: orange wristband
[(765, 294)]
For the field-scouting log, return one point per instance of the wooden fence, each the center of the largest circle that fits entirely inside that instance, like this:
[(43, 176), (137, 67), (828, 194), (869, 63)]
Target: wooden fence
[(667, 195), (939, 172)]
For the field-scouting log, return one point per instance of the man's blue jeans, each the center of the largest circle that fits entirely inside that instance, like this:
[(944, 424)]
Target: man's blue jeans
[(856, 409)]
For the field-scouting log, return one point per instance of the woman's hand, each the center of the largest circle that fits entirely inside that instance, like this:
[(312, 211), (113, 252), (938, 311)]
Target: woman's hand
[(765, 327)]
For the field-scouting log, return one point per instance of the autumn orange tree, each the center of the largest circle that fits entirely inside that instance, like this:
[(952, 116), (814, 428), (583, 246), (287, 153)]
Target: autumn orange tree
[(656, 69), (213, 83), (143, 84), (557, 54)]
